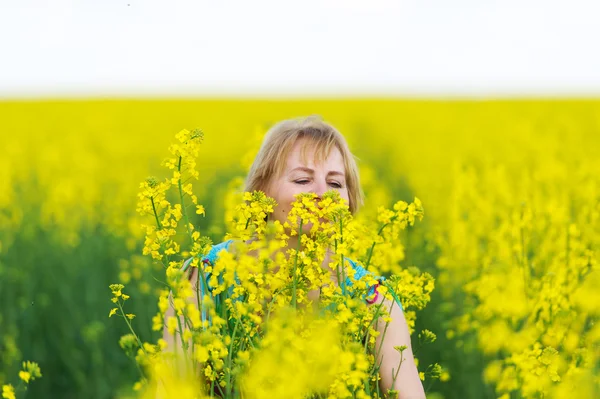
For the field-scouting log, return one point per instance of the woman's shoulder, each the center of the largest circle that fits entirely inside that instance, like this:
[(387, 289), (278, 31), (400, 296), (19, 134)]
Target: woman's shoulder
[(213, 254), (372, 285), (360, 271)]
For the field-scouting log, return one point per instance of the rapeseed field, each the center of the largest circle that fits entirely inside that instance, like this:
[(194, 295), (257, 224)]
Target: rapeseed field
[(496, 204)]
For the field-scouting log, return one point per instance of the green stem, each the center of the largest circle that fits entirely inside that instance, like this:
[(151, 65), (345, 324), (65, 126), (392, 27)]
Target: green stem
[(230, 354), (368, 262), (140, 370), (131, 328), (342, 259), (187, 227), (395, 376), (159, 228), (204, 286), (270, 306), (183, 344), (187, 221), (198, 290), (155, 213), (337, 267), (295, 279), (220, 390)]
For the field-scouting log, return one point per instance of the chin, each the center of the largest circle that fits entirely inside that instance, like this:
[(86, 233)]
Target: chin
[(306, 228)]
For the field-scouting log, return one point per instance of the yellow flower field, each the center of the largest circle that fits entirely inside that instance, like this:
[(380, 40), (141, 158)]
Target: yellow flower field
[(511, 232)]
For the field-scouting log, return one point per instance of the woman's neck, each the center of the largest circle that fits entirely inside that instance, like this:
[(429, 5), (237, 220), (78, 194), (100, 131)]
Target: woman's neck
[(292, 243), (327, 259)]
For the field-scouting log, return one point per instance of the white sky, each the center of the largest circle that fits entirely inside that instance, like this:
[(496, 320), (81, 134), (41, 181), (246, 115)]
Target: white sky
[(299, 48)]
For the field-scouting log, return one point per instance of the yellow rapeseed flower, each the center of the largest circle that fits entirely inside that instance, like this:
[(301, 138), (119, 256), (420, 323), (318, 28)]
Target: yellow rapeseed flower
[(25, 376), (8, 392)]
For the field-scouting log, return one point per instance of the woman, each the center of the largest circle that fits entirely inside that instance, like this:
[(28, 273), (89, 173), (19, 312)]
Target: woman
[(309, 155)]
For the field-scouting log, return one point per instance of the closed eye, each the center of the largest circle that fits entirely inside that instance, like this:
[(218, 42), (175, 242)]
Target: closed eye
[(304, 182)]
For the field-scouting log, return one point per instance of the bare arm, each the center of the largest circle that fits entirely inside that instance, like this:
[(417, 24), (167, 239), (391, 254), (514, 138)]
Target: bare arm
[(407, 382), (174, 340)]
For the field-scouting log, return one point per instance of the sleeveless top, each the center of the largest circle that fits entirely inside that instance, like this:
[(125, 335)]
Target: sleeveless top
[(359, 272)]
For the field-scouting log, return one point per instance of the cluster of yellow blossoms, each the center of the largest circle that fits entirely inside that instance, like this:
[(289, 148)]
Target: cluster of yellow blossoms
[(530, 274), (29, 372), (262, 321)]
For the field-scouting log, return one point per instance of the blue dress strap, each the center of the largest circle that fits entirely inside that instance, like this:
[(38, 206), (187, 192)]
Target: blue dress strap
[(213, 254), (209, 258), (360, 272)]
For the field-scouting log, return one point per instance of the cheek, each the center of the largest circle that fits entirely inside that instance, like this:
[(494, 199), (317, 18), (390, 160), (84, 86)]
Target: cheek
[(284, 196), (344, 194), (281, 211)]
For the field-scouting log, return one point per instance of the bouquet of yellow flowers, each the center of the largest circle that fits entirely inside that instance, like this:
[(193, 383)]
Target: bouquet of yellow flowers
[(280, 310)]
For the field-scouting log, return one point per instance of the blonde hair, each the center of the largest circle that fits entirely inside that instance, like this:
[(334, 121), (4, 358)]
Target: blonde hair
[(271, 159)]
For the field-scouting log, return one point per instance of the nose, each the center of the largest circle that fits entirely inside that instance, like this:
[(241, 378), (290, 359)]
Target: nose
[(320, 188)]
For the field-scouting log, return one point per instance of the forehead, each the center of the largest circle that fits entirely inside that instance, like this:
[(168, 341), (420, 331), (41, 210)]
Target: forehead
[(308, 153)]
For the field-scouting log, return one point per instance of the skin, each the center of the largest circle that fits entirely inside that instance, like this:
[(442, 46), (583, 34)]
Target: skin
[(299, 177), (407, 381)]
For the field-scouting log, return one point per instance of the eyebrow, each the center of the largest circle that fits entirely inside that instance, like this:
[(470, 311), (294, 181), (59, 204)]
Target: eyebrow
[(309, 170)]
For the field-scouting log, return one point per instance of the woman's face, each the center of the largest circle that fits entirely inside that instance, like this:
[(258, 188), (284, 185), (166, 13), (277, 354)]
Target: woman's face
[(299, 177)]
